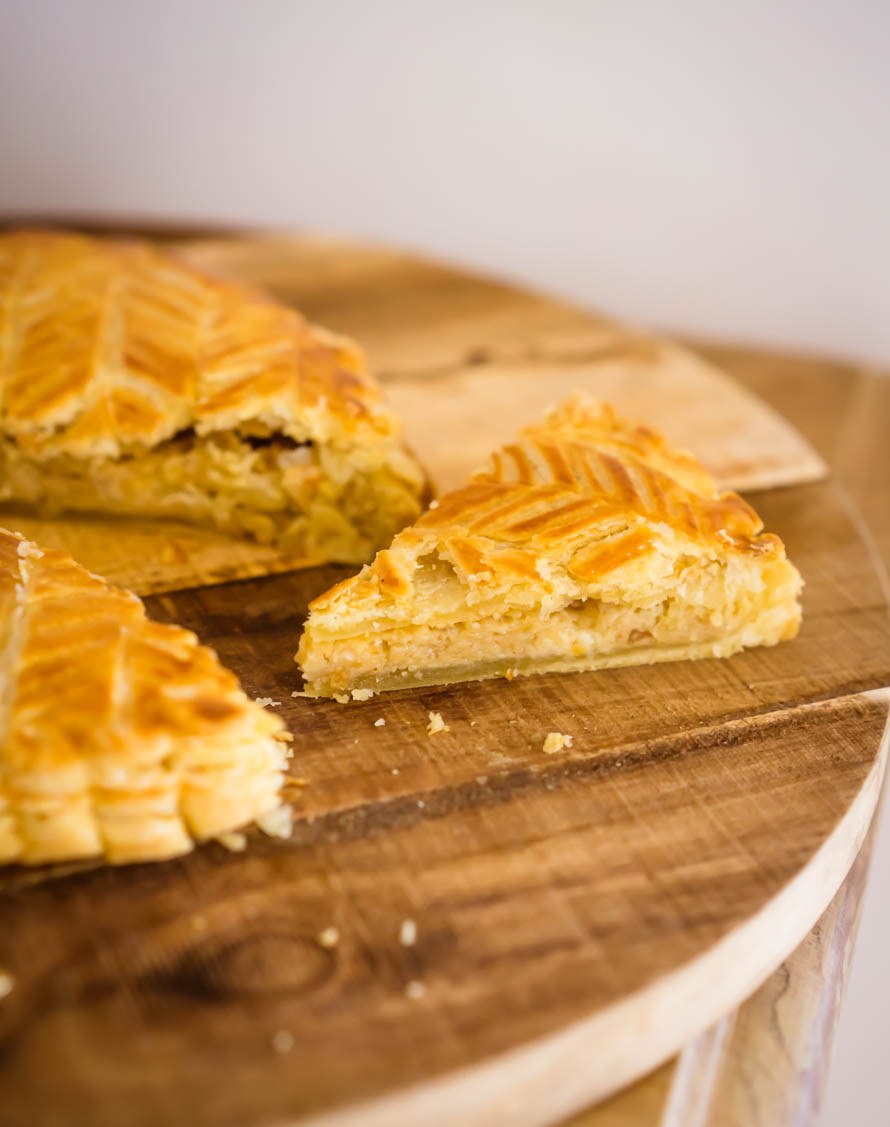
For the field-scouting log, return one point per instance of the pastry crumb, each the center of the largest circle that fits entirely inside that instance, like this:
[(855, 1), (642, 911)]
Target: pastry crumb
[(6, 983), (283, 1041), (434, 504), (408, 933), (556, 741), (330, 937), (379, 723), (395, 770), (342, 698), (362, 694), (421, 803), (415, 989), (267, 702), (511, 673), (235, 843), (277, 823), (436, 724)]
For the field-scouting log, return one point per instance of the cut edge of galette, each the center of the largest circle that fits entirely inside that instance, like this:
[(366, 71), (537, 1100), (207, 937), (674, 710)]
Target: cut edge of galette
[(587, 543)]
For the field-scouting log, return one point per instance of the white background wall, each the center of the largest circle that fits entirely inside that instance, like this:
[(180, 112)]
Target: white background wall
[(716, 165)]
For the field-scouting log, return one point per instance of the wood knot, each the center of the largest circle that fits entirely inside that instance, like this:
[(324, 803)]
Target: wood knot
[(252, 965)]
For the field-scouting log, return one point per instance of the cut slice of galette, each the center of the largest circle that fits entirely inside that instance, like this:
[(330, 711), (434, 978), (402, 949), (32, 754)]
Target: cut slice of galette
[(587, 543)]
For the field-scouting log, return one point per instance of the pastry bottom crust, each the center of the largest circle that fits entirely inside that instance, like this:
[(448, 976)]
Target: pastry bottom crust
[(519, 667)]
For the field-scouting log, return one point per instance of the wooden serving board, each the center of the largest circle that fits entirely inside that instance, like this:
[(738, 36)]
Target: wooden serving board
[(466, 362), (768, 1060), (579, 916)]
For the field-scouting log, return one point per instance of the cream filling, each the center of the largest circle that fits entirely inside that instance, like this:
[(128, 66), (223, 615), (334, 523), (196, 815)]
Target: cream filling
[(308, 500), (712, 617)]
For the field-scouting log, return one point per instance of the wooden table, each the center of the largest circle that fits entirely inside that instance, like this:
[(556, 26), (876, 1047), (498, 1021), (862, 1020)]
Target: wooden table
[(767, 1062)]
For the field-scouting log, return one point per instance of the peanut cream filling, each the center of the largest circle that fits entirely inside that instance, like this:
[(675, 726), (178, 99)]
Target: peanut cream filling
[(312, 501)]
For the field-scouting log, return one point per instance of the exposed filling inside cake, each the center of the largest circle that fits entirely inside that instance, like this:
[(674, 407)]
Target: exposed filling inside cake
[(702, 608), (314, 501)]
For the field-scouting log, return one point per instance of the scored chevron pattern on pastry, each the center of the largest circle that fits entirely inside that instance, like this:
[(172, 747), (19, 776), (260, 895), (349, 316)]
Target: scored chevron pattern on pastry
[(583, 479), (106, 344), (582, 468)]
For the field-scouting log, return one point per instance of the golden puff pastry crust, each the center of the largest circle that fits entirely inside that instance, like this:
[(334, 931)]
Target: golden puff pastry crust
[(587, 543), (120, 737), (132, 383)]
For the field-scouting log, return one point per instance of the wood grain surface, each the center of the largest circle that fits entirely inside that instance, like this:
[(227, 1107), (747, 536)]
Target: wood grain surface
[(467, 362), (767, 1061), (579, 917), (774, 1052)]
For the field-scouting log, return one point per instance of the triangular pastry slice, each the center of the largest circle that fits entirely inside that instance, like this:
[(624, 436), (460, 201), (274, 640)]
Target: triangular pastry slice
[(131, 383), (120, 737), (587, 543)]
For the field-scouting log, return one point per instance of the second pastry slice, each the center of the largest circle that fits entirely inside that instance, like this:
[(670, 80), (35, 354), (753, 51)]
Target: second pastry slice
[(587, 543)]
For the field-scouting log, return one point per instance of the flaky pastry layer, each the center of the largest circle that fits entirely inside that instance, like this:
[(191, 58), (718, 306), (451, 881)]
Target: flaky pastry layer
[(120, 737)]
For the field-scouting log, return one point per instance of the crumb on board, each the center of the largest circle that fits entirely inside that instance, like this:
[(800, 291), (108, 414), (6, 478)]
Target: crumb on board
[(6, 983), (511, 673), (379, 723), (268, 702), (362, 694), (436, 724), (408, 933), (556, 741), (330, 937), (283, 1041), (234, 842), (395, 770), (415, 989), (277, 823), (421, 803)]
